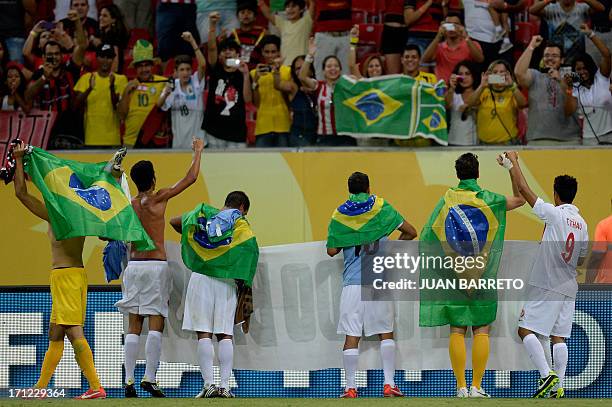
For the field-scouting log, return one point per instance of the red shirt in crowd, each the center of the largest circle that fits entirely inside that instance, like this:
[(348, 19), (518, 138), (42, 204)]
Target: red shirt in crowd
[(430, 21), (333, 15), (394, 11), (447, 58)]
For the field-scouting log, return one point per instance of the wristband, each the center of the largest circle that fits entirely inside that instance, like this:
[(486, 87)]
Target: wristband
[(309, 58), (506, 163), (354, 40), (591, 34), (33, 33)]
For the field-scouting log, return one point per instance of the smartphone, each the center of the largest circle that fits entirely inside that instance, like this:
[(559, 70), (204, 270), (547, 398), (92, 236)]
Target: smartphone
[(495, 79), (232, 62), (264, 68), (449, 26), (565, 70), (48, 25), (459, 78)]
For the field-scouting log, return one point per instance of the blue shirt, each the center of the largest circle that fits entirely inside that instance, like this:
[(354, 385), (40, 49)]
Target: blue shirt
[(352, 264)]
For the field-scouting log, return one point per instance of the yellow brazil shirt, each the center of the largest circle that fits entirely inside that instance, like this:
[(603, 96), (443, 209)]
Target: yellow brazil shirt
[(142, 101), (497, 116), (101, 119), (272, 112)]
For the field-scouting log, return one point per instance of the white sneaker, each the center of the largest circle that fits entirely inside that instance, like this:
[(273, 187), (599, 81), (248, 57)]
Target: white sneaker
[(506, 46), (478, 393), (462, 393), (207, 392)]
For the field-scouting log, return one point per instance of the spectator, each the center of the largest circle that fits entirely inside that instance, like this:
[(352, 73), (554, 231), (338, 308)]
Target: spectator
[(273, 120), (98, 94), (36, 41), (563, 19), (248, 35), (138, 105), (451, 46), (304, 124), (138, 13), (373, 65), (590, 92), (423, 17), (90, 25), (186, 98), (113, 32), (229, 91), (551, 119), (13, 91), (411, 64), (294, 28), (62, 6), (227, 16), (332, 23), (171, 20), (394, 35), (331, 69), (497, 105), (52, 88), (501, 21), (602, 27), (12, 26), (464, 79)]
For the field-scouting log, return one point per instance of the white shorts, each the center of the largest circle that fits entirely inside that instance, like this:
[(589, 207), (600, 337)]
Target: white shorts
[(210, 305), (549, 313), (368, 317), (145, 288)]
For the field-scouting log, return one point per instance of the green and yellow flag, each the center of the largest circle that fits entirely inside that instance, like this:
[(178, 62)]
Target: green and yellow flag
[(466, 233), (362, 219), (233, 257), (83, 199), (392, 106)]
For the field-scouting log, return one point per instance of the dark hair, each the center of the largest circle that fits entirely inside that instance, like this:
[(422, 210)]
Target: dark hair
[(412, 47), (366, 62), (551, 44), (589, 64), (327, 58), (358, 183), (143, 175), (52, 44), (566, 187), (229, 43), (294, 74), (246, 5), (474, 68), (453, 13), (118, 33), (236, 199), (466, 166), (300, 3), (22, 81), (182, 59), (270, 39), (72, 2)]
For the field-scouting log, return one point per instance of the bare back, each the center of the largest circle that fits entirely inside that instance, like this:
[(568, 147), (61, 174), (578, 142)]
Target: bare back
[(151, 213), (66, 253)]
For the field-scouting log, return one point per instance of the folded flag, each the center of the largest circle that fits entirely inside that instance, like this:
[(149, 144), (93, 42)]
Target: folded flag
[(83, 199), (235, 256), (468, 222), (392, 106), (362, 219)]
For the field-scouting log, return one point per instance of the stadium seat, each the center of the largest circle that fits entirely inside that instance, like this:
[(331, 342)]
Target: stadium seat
[(370, 8), (358, 17), (251, 117), (523, 33), (370, 34), (138, 34)]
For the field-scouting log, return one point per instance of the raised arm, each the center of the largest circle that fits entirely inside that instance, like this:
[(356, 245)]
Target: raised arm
[(452, 85), (430, 52), (190, 178), (352, 60), (308, 82), (188, 37), (28, 46), (21, 190), (503, 7), (538, 7), (214, 18), (516, 200), (474, 99), (408, 232), (411, 15), (604, 65), (519, 180), (267, 13), (521, 69), (78, 54), (247, 90), (177, 224), (475, 51), (596, 6)]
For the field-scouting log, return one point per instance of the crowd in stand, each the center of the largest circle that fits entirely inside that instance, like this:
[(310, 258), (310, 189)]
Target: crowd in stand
[(245, 72)]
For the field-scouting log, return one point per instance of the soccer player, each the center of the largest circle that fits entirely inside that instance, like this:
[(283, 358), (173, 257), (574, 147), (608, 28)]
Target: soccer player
[(146, 279), (68, 284), (552, 288), (210, 301), (357, 316)]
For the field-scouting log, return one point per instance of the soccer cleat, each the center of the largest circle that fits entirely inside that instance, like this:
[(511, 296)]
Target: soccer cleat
[(118, 158), (478, 393), (208, 392), (392, 391), (225, 393), (152, 388), (349, 394), (546, 384), (463, 393), (557, 393), (130, 390), (92, 394)]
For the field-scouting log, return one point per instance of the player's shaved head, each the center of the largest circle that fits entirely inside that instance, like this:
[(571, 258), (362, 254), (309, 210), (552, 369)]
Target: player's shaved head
[(359, 183), (143, 175), (236, 200), (466, 166), (565, 187)]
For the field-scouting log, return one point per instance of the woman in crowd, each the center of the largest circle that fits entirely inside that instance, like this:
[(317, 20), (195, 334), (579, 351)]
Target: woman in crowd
[(113, 31), (13, 89), (304, 116), (590, 92), (463, 82), (373, 65), (42, 33), (498, 101), (332, 69)]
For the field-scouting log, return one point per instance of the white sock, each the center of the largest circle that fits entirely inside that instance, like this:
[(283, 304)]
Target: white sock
[(226, 361), (206, 353), (536, 354), (153, 353), (351, 358), (560, 357), (387, 354), (545, 341), (130, 350)]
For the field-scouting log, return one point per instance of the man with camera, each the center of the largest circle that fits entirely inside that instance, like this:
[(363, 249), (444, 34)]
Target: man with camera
[(551, 113)]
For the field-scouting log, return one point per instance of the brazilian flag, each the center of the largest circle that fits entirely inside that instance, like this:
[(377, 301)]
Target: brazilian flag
[(233, 257), (391, 106), (83, 199), (362, 219), (468, 223)]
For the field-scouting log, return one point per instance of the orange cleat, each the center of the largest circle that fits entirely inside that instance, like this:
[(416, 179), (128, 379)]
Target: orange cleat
[(92, 394), (392, 391), (349, 394)]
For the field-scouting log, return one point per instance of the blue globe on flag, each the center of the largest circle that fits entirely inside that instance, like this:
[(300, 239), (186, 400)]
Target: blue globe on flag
[(466, 228)]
